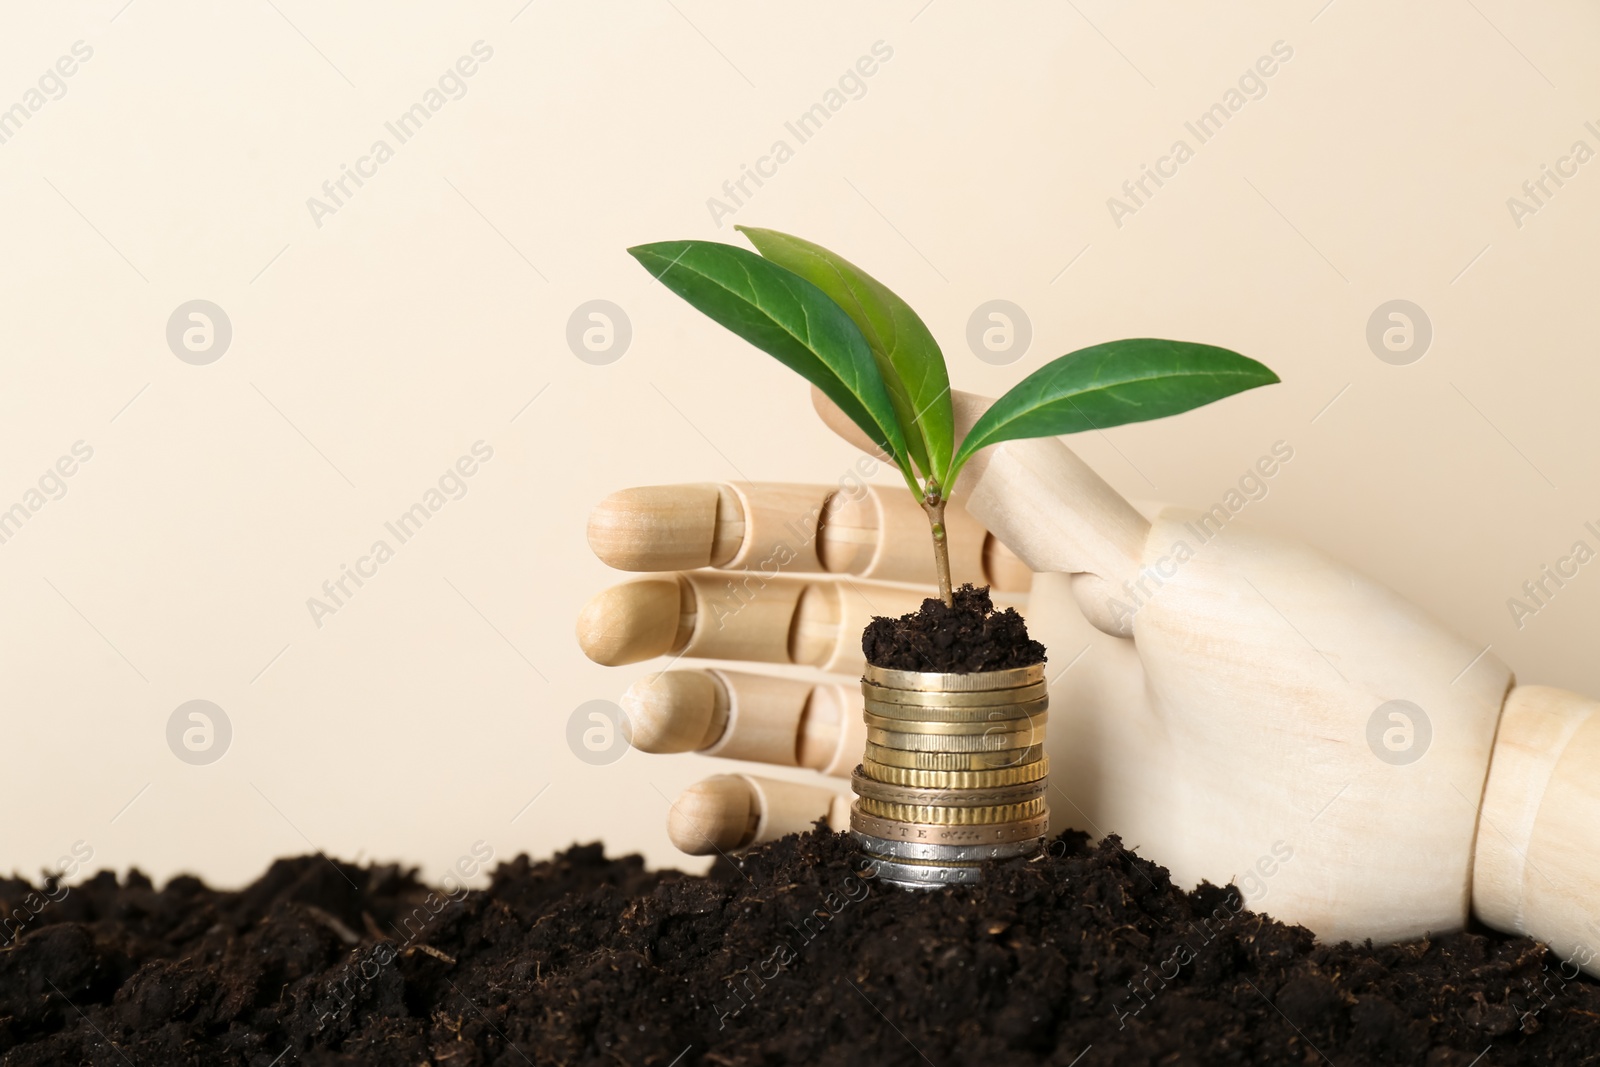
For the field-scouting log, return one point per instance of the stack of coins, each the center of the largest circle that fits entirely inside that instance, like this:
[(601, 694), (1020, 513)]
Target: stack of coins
[(954, 772)]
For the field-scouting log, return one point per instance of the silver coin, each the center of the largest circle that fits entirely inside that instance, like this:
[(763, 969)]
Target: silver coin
[(923, 874), (925, 887), (1010, 724), (998, 741), (916, 850)]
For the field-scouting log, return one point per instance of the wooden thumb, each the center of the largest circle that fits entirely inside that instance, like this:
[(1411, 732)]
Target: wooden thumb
[(1043, 503)]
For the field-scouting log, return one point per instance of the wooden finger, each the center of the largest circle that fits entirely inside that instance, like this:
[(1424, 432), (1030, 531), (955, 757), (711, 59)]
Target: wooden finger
[(732, 811), (741, 616), (852, 528), (1536, 870), (667, 527), (736, 715), (637, 621)]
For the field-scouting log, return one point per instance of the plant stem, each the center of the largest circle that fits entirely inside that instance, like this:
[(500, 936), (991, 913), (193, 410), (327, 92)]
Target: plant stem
[(933, 504)]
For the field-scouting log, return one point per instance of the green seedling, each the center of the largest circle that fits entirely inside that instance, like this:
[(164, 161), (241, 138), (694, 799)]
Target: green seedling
[(850, 336)]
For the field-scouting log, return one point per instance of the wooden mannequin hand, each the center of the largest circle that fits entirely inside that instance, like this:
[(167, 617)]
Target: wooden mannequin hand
[(776, 576), (1229, 738), (1276, 719)]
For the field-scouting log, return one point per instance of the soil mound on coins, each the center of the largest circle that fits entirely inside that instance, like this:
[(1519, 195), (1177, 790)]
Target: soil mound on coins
[(1085, 955), (971, 636)]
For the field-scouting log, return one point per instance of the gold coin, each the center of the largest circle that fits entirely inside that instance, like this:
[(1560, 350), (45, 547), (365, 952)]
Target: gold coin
[(987, 742), (1011, 724), (990, 713), (939, 815), (987, 779), (973, 681), (935, 834), (952, 761), (886, 793), (929, 699)]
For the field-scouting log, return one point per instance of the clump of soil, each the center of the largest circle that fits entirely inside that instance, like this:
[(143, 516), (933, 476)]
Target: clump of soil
[(1085, 955), (971, 636)]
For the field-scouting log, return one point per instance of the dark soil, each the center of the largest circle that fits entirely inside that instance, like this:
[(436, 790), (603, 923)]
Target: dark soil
[(971, 636), (1085, 955)]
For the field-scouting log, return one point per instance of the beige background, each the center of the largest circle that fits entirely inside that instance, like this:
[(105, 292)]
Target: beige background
[(371, 351)]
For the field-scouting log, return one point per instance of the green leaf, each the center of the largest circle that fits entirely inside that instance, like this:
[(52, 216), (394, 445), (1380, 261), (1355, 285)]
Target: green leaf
[(1112, 384), (908, 357), (788, 318)]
